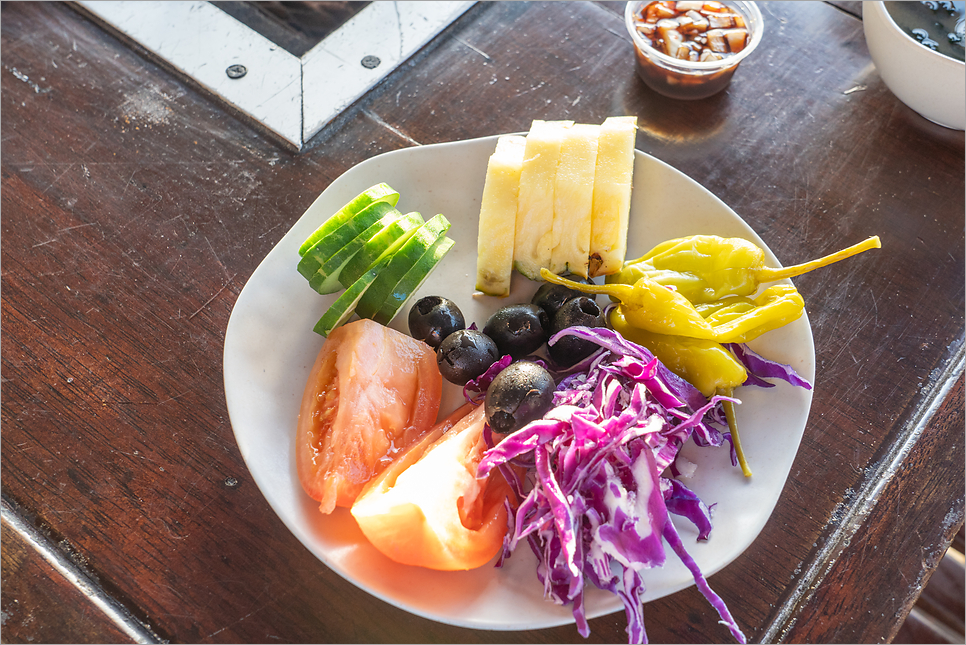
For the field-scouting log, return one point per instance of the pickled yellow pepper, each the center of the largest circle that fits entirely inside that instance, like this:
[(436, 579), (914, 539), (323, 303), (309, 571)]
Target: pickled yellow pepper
[(688, 295), (705, 364), (706, 268), (653, 307), (737, 319)]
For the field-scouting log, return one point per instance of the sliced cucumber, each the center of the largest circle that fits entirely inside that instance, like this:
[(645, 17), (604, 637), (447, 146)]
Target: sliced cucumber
[(413, 280), (400, 264), (344, 306), (327, 278), (377, 193), (333, 244), (384, 243)]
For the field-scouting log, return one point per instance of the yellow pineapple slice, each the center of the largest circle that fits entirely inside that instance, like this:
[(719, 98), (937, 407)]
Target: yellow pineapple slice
[(573, 200), (612, 194), (498, 215), (533, 238)]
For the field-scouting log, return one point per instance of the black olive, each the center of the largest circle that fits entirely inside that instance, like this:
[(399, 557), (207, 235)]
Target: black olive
[(518, 330), (433, 318), (578, 312), (465, 354), (551, 296), (521, 393)]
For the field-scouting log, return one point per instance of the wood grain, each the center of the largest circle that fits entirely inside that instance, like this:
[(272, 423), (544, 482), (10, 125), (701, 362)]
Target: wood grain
[(50, 594), (905, 517), (135, 209)]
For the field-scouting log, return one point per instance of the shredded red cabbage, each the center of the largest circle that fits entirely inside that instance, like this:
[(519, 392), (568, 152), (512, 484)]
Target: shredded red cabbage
[(475, 390), (760, 368), (594, 502)]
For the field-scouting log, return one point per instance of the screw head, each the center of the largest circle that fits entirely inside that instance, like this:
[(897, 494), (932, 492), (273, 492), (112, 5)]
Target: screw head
[(236, 71), (371, 62)]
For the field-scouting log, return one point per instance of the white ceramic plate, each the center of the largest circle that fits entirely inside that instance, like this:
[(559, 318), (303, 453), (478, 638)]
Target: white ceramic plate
[(270, 346)]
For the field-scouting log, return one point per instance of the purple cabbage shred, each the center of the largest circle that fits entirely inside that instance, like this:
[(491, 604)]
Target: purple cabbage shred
[(760, 368), (594, 504), (475, 390)]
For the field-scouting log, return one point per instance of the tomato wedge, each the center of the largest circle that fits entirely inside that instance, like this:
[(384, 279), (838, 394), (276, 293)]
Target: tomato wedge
[(428, 508), (371, 393)]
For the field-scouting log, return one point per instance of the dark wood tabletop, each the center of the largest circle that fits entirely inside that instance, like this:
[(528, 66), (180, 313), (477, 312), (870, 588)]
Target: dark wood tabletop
[(135, 208)]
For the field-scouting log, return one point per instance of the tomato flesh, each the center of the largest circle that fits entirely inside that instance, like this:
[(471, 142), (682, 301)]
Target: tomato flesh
[(428, 508), (371, 393)]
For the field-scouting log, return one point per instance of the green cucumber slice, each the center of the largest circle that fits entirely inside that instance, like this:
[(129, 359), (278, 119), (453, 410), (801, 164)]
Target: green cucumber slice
[(384, 243), (344, 306), (402, 262), (413, 280), (333, 244), (327, 278), (377, 193)]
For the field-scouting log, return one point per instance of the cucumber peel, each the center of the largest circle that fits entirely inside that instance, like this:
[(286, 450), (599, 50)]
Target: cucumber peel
[(413, 280), (380, 256), (384, 243), (378, 193), (400, 264), (331, 245), (344, 306), (328, 278)]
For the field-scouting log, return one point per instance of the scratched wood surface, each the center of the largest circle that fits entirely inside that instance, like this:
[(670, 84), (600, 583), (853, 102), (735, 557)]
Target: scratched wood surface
[(134, 210), (43, 603)]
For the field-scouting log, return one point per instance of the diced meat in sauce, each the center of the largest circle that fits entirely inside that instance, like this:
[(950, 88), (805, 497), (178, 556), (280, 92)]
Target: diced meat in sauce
[(693, 31)]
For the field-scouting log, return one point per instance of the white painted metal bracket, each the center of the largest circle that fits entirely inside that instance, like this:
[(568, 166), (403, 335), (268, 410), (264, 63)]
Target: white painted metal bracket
[(291, 96)]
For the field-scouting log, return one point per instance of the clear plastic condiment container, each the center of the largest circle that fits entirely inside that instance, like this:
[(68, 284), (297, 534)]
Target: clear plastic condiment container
[(685, 79)]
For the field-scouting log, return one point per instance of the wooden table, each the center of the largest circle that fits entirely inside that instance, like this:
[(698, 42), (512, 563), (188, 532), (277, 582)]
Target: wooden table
[(135, 209)]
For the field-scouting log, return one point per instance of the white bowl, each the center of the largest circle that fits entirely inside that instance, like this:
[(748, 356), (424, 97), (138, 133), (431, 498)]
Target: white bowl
[(930, 83)]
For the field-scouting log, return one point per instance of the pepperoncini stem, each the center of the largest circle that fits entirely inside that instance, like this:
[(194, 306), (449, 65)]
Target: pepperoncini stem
[(769, 274), (623, 292), (729, 408)]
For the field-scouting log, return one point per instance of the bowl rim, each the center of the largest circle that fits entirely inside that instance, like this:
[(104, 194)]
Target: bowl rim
[(880, 8), (757, 30)]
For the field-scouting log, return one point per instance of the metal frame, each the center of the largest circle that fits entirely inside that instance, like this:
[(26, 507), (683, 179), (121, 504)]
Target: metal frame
[(292, 97)]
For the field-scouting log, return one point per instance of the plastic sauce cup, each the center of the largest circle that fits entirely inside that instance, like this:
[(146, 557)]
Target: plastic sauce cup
[(681, 79)]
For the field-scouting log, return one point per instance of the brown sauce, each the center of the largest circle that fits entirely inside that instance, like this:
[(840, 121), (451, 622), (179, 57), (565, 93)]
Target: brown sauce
[(693, 31)]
